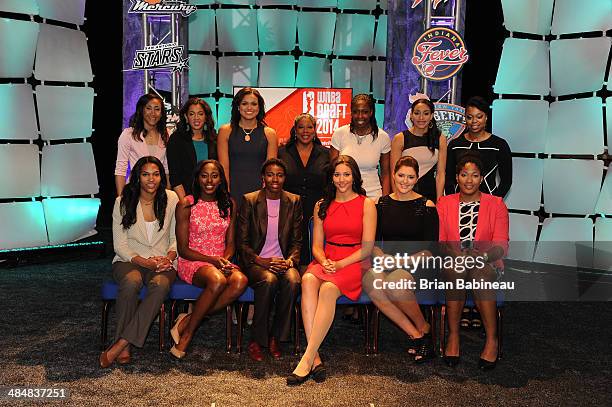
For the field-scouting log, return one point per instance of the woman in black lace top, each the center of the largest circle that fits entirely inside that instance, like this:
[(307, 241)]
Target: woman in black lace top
[(407, 223)]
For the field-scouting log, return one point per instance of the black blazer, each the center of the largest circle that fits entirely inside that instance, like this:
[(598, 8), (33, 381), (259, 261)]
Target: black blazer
[(253, 226), (182, 160)]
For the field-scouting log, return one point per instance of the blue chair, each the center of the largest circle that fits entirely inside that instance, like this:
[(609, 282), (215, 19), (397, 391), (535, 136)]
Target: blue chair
[(425, 298), (469, 302), (183, 292), (109, 295)]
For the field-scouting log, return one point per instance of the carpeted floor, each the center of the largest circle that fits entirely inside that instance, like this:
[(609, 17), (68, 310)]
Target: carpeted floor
[(555, 354)]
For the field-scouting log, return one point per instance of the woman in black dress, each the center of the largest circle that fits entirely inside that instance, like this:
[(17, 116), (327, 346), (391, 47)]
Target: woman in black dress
[(307, 161), (404, 216)]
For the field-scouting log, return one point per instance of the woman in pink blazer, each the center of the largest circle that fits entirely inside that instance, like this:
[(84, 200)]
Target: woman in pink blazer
[(473, 225), (146, 136)]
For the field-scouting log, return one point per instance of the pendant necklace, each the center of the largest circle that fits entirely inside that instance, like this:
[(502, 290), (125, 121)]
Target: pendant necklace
[(247, 134)]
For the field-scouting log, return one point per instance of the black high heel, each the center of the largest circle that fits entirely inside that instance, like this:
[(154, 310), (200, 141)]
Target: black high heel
[(451, 361), (423, 349), (485, 365), (295, 380), (319, 374)]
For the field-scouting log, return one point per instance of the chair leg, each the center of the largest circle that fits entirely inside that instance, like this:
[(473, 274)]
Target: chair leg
[(228, 328), (434, 328), (366, 321), (376, 328), (442, 329), (239, 318), (500, 331), (162, 326), (104, 324), (297, 321)]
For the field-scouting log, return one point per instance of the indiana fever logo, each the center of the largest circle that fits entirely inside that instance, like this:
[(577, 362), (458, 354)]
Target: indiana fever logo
[(439, 54), (162, 7)]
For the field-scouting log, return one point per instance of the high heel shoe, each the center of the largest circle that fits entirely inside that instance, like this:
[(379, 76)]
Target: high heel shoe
[(177, 353), (174, 332), (319, 374), (485, 365), (423, 349), (451, 361), (295, 380)]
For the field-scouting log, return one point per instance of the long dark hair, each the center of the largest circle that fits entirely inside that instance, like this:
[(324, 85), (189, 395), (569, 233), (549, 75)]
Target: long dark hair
[(131, 194), (224, 201), (372, 105), (137, 120), (432, 135), (236, 105), (293, 133), (330, 189), (183, 129)]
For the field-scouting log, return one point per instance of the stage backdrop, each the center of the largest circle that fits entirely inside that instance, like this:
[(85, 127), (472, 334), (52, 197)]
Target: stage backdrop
[(47, 172), (290, 43), (553, 97)]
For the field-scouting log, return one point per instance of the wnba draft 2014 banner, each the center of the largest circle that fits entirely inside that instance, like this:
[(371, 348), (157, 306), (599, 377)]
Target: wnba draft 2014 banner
[(331, 107)]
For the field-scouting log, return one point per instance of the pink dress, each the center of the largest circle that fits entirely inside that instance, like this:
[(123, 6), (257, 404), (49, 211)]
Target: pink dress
[(344, 225), (206, 235)]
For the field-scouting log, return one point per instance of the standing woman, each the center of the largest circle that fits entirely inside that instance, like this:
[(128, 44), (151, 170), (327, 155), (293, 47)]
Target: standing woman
[(426, 143), (367, 144), (246, 143), (344, 231), (195, 140), (146, 136), (473, 224), (493, 150), (307, 161), (205, 225), (145, 250), (407, 224)]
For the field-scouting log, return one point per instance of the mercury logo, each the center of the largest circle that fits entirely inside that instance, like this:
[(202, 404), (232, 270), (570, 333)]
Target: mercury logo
[(162, 7), (439, 54)]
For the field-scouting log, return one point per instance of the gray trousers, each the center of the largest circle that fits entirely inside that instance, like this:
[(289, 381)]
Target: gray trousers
[(133, 319)]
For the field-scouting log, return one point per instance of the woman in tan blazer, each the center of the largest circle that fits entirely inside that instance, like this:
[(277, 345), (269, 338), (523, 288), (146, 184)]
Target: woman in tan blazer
[(145, 253)]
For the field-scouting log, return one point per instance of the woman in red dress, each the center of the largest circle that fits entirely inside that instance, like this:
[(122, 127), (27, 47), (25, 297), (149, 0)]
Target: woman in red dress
[(343, 238)]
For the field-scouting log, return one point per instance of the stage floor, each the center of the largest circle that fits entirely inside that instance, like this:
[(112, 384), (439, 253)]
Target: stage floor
[(554, 354)]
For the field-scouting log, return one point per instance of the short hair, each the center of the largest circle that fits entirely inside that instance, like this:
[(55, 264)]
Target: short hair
[(471, 157), (479, 103), (273, 161)]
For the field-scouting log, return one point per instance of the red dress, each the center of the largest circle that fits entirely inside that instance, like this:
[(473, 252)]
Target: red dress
[(343, 224)]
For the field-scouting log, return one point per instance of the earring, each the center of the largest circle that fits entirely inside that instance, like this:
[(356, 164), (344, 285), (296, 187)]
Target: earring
[(430, 125)]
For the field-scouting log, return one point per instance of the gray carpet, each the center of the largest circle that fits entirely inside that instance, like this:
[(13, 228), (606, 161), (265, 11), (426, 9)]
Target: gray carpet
[(555, 354)]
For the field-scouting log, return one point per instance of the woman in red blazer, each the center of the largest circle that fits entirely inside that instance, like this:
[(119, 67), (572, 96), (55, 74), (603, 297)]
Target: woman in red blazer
[(473, 224)]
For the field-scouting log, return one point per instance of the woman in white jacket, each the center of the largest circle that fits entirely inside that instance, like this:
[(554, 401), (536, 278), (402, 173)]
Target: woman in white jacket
[(145, 248)]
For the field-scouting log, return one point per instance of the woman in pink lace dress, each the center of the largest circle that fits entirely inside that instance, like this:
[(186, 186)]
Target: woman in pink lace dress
[(205, 239)]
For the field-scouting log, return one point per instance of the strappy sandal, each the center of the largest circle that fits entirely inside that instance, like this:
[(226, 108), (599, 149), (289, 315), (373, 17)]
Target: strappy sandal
[(476, 322), (424, 349), (466, 318)]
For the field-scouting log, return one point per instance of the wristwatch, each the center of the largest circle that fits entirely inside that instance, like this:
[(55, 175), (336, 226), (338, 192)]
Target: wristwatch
[(485, 256)]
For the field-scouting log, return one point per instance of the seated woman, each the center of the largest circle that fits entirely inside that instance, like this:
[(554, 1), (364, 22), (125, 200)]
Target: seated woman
[(404, 217), (346, 220), (474, 225), (205, 234), (145, 249), (269, 243)]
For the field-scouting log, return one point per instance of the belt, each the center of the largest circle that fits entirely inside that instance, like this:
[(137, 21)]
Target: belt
[(343, 244)]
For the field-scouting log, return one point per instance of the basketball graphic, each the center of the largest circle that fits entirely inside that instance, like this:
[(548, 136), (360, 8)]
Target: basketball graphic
[(152, 2)]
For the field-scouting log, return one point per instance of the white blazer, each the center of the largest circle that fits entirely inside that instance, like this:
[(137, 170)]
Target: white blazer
[(130, 151), (134, 241)]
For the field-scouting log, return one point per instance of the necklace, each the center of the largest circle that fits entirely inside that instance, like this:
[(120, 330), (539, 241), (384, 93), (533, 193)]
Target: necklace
[(146, 203), (247, 134)]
